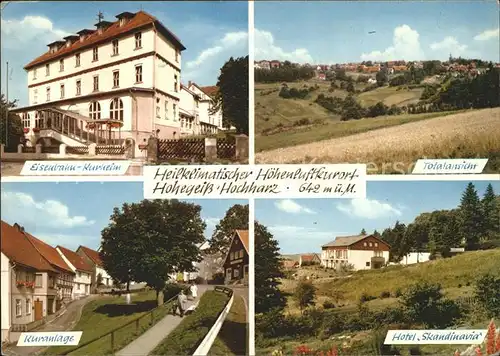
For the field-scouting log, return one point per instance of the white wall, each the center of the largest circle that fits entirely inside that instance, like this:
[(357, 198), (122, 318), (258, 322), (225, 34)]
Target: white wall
[(126, 48), (415, 257), (5, 296), (359, 258), (104, 275), (81, 280)]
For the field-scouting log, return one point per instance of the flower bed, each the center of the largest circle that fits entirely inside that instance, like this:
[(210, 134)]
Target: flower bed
[(26, 284), (26, 130)]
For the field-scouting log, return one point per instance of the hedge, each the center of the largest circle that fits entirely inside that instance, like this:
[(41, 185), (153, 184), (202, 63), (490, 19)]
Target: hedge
[(186, 337)]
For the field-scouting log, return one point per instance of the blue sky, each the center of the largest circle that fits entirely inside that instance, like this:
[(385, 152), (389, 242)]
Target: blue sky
[(73, 214), (302, 226), (330, 32), (212, 31)]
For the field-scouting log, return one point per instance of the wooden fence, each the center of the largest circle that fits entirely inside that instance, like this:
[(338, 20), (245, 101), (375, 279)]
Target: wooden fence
[(77, 150), (112, 333), (226, 148), (109, 150), (183, 149)]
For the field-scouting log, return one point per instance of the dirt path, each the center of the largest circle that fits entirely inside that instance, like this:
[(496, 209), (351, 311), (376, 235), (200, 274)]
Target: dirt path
[(479, 127)]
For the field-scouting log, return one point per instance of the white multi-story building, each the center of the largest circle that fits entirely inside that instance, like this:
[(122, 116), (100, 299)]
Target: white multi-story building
[(83, 272), (121, 80)]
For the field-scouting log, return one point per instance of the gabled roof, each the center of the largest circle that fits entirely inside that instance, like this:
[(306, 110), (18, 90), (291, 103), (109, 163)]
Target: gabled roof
[(345, 241), (17, 247), (210, 90), (309, 257), (49, 253), (92, 254), (75, 259), (140, 20), (243, 235)]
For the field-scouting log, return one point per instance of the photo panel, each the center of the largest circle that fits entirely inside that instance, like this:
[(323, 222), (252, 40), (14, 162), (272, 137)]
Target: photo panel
[(412, 269), (131, 276), (136, 82), (420, 80)]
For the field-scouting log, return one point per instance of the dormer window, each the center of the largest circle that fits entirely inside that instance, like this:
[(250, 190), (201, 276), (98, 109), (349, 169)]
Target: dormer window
[(124, 18)]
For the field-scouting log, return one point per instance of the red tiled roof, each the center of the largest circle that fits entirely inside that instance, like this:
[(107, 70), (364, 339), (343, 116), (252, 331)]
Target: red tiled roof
[(141, 19), (75, 259), (243, 235), (289, 263), (17, 247), (93, 255), (210, 90), (308, 258), (49, 253)]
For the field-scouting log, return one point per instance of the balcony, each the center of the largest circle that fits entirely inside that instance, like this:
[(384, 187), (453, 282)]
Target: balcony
[(377, 262)]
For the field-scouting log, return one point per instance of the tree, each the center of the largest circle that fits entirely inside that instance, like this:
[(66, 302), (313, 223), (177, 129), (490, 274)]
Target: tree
[(491, 212), (304, 294), (232, 96), (471, 217), (363, 232), (98, 280), (13, 125), (487, 292), (381, 78), (236, 218), (151, 240), (267, 271)]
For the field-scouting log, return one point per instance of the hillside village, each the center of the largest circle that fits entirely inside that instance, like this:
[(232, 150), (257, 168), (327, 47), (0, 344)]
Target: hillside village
[(359, 112), (340, 299)]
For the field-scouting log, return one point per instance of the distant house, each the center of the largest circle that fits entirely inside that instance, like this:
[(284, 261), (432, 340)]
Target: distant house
[(83, 272), (415, 257), (372, 80), (207, 267), (262, 65), (28, 290), (360, 251), (275, 64), (289, 264), (321, 76), (236, 261), (92, 258), (309, 259)]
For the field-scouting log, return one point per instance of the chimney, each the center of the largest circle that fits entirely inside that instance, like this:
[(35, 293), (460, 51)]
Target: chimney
[(19, 227)]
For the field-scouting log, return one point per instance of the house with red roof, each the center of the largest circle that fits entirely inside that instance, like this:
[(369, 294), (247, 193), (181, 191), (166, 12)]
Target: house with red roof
[(358, 252), (309, 259), (83, 272), (93, 259), (28, 288), (236, 261), (65, 276)]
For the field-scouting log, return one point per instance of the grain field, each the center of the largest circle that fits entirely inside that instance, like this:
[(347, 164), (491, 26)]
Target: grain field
[(464, 135)]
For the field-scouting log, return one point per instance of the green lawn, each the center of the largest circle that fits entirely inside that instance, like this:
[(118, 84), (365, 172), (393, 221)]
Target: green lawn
[(103, 315), (334, 129), (390, 96), (233, 336)]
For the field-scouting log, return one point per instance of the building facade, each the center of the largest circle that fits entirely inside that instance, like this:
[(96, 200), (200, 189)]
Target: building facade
[(359, 252), (82, 270), (236, 261), (92, 258), (28, 289), (120, 80)]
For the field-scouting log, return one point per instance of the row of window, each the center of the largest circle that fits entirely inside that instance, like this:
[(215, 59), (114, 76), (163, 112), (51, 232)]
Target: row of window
[(115, 110), (166, 112), (236, 255), (19, 307), (95, 55)]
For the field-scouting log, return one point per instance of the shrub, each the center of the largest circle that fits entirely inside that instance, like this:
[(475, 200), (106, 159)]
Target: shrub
[(365, 297), (328, 305), (218, 278), (186, 337), (199, 280), (385, 294), (304, 294), (488, 294), (171, 290)]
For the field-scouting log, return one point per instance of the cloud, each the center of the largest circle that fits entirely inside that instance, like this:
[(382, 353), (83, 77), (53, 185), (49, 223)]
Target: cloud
[(24, 209), (291, 207), (210, 60), (299, 233), (36, 29), (211, 222), (266, 49), (368, 209), (405, 45), (449, 44), (488, 35)]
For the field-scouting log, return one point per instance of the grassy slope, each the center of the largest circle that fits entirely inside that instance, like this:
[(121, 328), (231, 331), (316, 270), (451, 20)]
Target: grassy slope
[(450, 273), (233, 336), (334, 129), (103, 315)]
